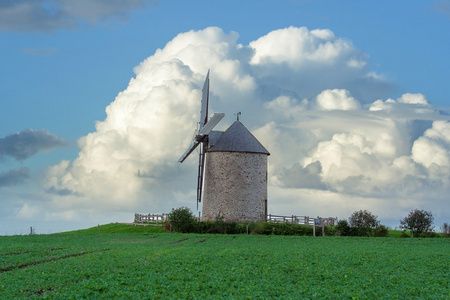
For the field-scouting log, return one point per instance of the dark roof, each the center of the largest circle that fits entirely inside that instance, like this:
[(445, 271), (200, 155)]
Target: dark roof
[(236, 138)]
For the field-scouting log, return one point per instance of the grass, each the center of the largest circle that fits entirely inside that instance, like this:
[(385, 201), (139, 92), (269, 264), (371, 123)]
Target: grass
[(83, 265), (149, 228), (119, 228), (396, 233)]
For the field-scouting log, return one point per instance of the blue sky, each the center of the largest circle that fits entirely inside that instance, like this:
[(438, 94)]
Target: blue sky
[(59, 70)]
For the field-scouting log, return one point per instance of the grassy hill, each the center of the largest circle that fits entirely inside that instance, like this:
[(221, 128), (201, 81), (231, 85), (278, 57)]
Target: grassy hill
[(119, 228), (127, 228)]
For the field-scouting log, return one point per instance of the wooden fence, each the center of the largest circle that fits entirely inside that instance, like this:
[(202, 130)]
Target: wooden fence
[(305, 220), (150, 218)]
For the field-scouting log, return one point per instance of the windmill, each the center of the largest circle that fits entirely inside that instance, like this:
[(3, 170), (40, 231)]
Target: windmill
[(201, 137)]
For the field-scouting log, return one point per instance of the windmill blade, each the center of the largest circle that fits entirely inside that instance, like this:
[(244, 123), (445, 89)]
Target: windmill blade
[(215, 119), (205, 102), (201, 164), (189, 151)]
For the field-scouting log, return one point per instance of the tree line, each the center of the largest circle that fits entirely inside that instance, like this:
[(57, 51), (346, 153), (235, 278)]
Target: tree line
[(361, 223)]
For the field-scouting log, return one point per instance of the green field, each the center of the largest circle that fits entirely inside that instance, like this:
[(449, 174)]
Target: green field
[(193, 266)]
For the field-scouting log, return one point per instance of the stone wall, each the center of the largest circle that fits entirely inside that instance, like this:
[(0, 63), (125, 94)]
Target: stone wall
[(235, 186)]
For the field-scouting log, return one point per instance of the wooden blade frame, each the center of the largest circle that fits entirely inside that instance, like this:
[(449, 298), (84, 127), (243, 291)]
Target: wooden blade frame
[(201, 164), (203, 122), (205, 128), (188, 151), (215, 119), (205, 103)]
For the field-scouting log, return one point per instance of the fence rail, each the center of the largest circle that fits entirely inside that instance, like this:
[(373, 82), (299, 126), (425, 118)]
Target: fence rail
[(305, 220), (141, 218)]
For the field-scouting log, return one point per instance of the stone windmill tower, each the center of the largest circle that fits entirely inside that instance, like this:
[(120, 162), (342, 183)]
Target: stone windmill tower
[(235, 173)]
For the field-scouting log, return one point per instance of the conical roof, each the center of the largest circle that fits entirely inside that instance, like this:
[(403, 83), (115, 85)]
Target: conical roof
[(237, 138)]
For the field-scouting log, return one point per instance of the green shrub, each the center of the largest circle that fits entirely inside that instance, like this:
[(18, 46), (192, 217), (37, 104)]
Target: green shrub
[(419, 222), (167, 226), (330, 230), (222, 227), (242, 228), (445, 230), (363, 223), (219, 226), (182, 220), (381, 231), (245, 228), (342, 228), (275, 228)]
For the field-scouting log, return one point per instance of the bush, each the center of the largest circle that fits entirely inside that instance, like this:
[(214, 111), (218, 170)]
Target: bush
[(222, 227), (363, 223), (167, 226), (182, 220), (419, 222), (445, 230), (275, 228), (342, 228), (330, 230), (381, 231), (247, 228)]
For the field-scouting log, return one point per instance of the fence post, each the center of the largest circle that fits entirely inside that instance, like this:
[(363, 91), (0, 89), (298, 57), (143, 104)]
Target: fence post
[(314, 227), (323, 228)]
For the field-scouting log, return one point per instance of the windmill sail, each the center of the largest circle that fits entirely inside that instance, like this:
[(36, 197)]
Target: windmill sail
[(188, 151), (215, 119), (205, 129), (205, 102), (201, 164)]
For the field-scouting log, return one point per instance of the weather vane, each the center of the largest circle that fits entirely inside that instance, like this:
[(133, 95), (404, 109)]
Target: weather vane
[(237, 115)]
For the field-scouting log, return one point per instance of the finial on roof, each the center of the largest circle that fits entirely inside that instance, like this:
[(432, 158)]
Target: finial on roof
[(238, 114)]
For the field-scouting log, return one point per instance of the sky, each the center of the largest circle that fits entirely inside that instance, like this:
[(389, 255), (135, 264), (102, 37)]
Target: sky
[(99, 99)]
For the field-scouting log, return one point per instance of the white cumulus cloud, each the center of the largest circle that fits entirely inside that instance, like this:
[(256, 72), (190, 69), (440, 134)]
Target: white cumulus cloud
[(301, 92), (336, 100)]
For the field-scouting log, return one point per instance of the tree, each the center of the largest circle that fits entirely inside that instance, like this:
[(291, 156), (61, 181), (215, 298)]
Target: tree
[(418, 222), (446, 230), (381, 231), (363, 223), (182, 220), (342, 228)]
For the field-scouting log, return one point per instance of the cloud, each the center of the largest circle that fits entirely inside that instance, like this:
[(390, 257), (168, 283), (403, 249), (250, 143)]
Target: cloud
[(50, 15), (300, 177), (442, 6), (14, 177), (310, 60), (61, 192), (433, 148), (305, 94), (336, 100), (22, 145)]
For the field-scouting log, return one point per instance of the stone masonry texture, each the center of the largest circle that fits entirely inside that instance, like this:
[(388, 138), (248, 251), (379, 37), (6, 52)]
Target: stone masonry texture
[(235, 186)]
